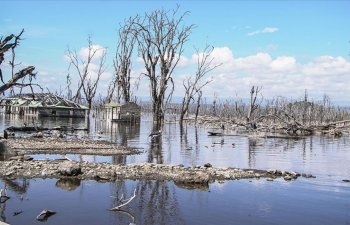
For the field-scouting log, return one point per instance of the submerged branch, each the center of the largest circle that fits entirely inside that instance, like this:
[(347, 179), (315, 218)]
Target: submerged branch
[(126, 202)]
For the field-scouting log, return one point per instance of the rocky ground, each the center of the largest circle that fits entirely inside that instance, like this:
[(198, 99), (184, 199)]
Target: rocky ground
[(104, 171), (21, 165), (20, 146)]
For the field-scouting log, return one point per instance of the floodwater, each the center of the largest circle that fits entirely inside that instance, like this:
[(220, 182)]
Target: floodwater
[(321, 200)]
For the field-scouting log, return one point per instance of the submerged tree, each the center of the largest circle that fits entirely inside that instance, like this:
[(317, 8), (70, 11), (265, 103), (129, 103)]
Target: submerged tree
[(18, 79), (161, 37), (194, 85), (122, 63), (89, 77), (253, 105)]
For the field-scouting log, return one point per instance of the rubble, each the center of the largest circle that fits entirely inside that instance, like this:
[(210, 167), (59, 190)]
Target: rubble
[(108, 172)]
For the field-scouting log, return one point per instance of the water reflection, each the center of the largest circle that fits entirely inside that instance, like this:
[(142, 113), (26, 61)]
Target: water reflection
[(116, 132), (155, 154), (155, 202), (319, 155), (68, 184), (162, 202), (19, 186)]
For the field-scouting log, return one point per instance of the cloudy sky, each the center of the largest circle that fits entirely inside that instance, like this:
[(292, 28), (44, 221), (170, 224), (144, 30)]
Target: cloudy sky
[(283, 46)]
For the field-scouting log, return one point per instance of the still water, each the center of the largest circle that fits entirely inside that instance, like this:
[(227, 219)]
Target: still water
[(323, 200)]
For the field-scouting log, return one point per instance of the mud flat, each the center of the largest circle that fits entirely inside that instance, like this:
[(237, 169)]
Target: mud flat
[(108, 172), (20, 146)]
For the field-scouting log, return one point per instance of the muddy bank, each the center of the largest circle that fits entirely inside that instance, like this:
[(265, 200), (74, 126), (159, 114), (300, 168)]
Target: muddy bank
[(103, 171), (20, 146)]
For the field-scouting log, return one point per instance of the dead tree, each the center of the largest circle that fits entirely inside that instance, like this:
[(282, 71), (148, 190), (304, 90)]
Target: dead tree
[(122, 63), (10, 43), (199, 99), (193, 85), (161, 37), (253, 105), (82, 66)]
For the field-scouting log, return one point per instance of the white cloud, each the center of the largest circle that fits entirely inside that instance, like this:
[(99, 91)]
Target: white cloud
[(257, 62), (262, 31), (328, 65), (43, 73), (93, 67), (283, 63), (282, 75), (84, 52)]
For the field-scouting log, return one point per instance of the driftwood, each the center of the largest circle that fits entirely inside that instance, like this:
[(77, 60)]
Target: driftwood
[(125, 202)]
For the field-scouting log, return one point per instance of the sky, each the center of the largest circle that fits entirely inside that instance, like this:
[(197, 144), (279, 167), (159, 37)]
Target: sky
[(283, 46)]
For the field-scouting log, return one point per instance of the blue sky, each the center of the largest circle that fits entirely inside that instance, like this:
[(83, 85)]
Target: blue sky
[(284, 46)]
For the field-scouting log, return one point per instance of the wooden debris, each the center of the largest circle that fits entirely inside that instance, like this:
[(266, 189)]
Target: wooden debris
[(125, 202)]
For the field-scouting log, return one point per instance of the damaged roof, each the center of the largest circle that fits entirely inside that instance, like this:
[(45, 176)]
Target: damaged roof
[(37, 100)]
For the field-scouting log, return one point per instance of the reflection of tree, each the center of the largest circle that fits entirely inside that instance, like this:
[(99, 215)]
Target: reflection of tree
[(157, 203), (2, 211), (20, 186), (183, 137), (251, 152), (119, 190), (155, 154)]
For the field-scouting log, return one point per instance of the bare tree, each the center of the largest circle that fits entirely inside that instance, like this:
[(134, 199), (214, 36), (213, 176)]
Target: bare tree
[(198, 105), (83, 67), (122, 62), (193, 85), (10, 43), (161, 37), (253, 105)]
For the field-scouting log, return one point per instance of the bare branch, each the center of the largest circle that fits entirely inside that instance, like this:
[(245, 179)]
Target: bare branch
[(10, 43), (192, 88), (125, 203), (160, 39), (82, 68)]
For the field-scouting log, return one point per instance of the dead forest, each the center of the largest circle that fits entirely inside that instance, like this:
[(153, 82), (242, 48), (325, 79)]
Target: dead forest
[(159, 38)]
